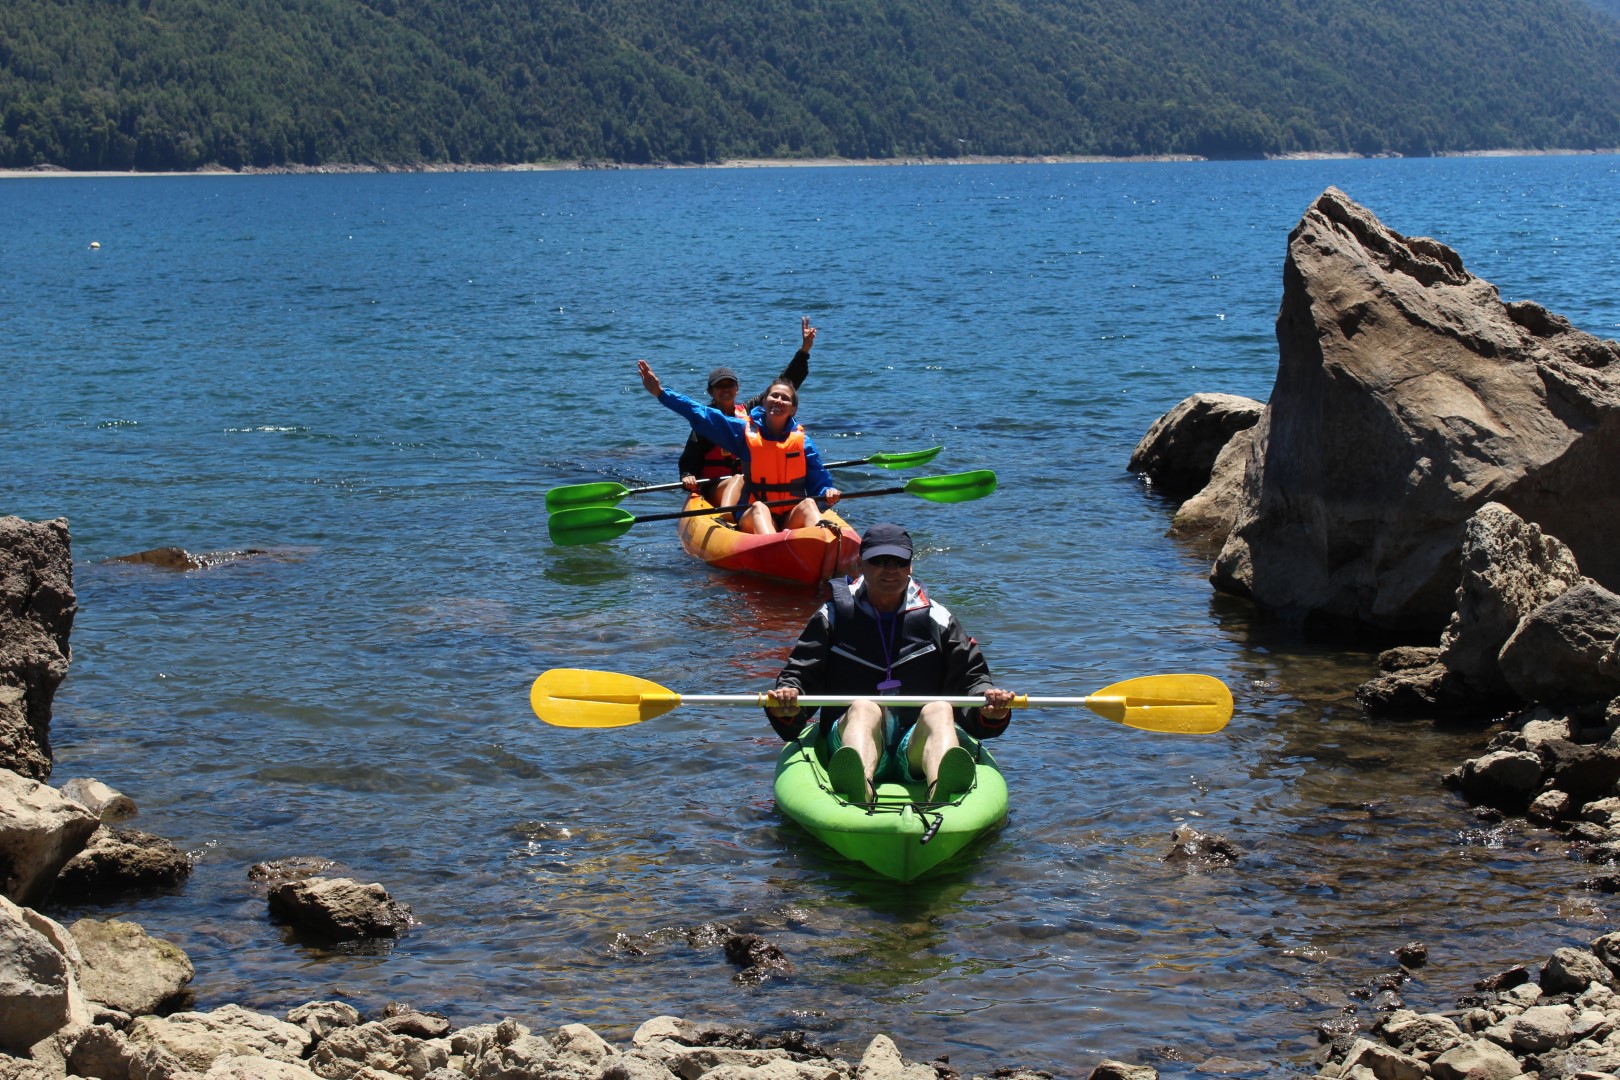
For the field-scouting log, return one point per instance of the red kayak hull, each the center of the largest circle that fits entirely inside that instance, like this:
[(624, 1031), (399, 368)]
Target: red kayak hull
[(802, 556)]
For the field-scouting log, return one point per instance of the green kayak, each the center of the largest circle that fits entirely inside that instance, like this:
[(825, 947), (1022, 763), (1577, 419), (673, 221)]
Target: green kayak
[(900, 836)]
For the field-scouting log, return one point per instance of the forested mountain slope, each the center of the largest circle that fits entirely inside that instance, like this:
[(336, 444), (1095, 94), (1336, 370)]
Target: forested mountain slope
[(178, 84)]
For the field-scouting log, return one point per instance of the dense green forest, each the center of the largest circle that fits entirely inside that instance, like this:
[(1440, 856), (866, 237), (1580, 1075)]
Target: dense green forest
[(183, 84)]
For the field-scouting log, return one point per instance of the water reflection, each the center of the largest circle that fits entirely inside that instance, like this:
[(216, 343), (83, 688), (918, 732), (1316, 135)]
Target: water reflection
[(588, 567)]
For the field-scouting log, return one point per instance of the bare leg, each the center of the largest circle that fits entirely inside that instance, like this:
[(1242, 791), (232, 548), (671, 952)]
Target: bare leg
[(757, 519), (728, 492), (861, 727), (804, 515), (935, 733)]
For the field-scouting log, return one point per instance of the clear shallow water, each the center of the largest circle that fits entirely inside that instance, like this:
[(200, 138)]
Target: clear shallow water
[(378, 377)]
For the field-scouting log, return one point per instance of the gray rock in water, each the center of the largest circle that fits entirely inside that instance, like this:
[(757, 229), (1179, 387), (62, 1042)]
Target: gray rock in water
[(117, 862), (1407, 396), (1208, 517), (339, 909), (1504, 779), (1177, 455), (292, 868), (178, 558), (1208, 849), (99, 799)]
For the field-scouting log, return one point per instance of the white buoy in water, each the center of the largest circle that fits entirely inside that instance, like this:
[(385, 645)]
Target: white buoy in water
[(95, 244)]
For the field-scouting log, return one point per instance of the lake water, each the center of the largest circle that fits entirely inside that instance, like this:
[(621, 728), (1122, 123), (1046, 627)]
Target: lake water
[(376, 378)]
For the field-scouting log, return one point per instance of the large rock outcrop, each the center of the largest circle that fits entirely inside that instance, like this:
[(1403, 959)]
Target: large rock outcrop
[(1408, 395), (36, 615)]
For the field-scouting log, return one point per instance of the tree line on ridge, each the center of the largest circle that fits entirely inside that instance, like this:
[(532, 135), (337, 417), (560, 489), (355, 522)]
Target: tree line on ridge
[(183, 84)]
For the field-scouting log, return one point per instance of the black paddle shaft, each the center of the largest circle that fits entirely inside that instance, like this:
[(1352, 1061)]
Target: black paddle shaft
[(774, 502)]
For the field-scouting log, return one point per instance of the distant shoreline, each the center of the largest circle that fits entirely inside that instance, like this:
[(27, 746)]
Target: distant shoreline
[(756, 163)]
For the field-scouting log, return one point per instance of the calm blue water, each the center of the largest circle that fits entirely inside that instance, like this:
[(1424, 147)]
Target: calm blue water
[(378, 377)]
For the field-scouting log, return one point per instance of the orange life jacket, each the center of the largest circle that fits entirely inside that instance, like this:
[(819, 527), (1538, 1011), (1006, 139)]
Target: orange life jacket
[(776, 470)]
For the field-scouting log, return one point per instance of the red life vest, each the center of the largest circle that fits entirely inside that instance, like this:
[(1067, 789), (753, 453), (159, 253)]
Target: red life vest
[(718, 462), (776, 470)]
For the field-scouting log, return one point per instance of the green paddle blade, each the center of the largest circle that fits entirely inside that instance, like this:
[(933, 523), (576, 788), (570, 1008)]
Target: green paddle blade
[(955, 488), (904, 460), (605, 493), (588, 525)]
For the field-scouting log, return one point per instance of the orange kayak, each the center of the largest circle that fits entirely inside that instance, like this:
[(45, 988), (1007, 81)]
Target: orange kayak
[(804, 556)]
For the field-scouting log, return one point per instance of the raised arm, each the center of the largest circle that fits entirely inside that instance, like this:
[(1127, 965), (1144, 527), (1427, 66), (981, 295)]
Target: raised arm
[(798, 368), (712, 424)]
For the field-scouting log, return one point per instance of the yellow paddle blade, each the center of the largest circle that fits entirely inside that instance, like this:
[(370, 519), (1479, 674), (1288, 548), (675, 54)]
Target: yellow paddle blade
[(1191, 704), (576, 697)]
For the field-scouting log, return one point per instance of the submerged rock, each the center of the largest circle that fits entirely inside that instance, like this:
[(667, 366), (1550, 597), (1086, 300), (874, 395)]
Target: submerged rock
[(178, 558), (758, 958), (1206, 849)]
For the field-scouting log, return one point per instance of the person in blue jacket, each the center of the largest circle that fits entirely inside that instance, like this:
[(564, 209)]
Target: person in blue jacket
[(705, 466), (779, 460)]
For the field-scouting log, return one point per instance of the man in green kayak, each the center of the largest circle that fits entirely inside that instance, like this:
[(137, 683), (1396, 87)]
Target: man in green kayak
[(884, 636)]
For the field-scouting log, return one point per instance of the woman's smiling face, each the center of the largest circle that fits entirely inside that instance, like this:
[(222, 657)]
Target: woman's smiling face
[(781, 402)]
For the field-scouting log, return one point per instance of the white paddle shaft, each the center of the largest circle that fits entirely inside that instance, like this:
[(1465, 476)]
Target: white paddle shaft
[(810, 701)]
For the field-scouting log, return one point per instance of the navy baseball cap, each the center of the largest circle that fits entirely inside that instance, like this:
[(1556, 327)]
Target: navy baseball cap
[(886, 539)]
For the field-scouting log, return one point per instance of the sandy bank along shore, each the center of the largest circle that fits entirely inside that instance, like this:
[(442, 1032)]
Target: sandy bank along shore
[(748, 163)]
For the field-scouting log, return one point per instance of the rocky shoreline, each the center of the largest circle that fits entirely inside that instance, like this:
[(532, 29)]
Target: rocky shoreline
[(1433, 466), (1434, 463)]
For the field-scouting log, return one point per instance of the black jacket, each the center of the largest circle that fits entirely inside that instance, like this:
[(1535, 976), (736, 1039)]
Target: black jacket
[(841, 651)]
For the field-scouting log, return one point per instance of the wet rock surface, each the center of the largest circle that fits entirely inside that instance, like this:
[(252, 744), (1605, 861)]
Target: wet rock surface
[(37, 606), (338, 909)]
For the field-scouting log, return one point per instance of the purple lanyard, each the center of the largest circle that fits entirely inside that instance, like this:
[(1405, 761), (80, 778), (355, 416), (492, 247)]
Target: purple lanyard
[(890, 684)]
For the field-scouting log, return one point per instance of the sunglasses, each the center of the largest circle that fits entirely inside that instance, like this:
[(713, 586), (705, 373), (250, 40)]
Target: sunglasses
[(887, 561)]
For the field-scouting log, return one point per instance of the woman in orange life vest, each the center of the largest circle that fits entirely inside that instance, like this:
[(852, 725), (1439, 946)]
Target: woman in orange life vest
[(779, 460), (715, 468)]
